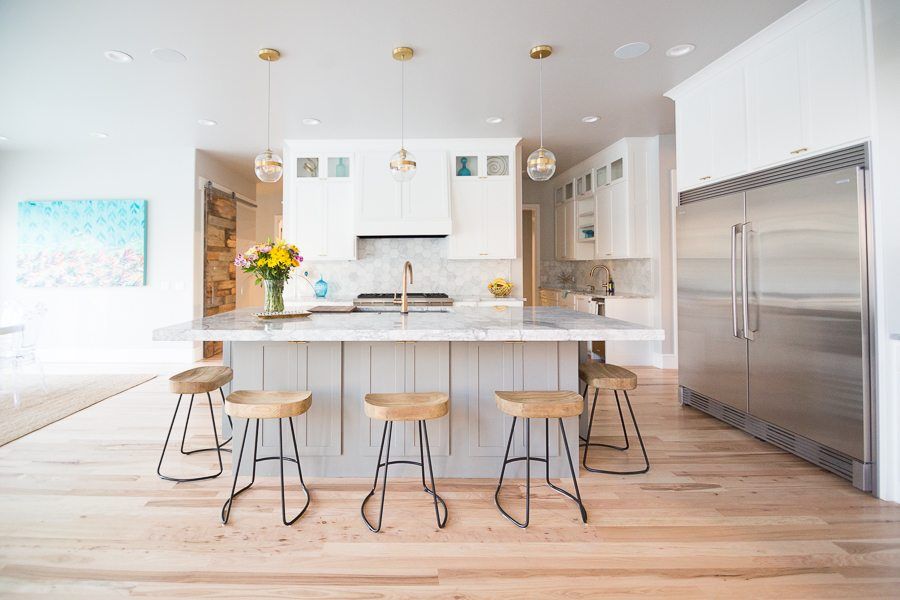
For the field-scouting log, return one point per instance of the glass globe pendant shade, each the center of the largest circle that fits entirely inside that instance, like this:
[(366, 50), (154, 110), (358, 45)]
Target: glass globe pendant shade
[(541, 164), (268, 166), (403, 165)]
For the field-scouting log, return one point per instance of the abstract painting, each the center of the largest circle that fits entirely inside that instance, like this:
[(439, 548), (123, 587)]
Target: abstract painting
[(82, 243)]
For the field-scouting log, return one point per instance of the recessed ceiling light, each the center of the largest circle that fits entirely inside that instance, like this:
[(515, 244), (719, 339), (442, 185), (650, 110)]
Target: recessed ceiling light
[(680, 50), (494, 120), (117, 56), (168, 55), (99, 135), (207, 122), (632, 50), (311, 121), (590, 119)]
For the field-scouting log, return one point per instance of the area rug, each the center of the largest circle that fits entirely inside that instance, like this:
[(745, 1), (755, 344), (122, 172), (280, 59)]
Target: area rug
[(64, 395)]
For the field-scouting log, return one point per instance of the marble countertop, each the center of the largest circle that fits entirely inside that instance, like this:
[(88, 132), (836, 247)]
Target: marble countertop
[(462, 324), (594, 294)]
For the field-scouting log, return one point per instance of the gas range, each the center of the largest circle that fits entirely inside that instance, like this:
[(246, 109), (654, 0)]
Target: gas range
[(414, 299)]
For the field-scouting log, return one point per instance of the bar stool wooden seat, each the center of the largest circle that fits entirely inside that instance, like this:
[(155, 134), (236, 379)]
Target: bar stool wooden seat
[(260, 405), (419, 407), (605, 376), (538, 405), (200, 380)]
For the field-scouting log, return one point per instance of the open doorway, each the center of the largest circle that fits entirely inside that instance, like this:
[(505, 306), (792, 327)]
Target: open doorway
[(531, 252)]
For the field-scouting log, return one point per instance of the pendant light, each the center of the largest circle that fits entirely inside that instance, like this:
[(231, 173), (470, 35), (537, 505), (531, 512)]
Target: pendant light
[(541, 164), (269, 165), (403, 163)]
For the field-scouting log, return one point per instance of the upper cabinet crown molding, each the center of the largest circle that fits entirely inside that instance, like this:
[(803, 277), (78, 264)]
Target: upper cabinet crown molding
[(798, 88)]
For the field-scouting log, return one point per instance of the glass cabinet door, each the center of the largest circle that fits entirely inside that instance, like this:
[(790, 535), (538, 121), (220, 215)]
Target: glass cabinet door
[(602, 176)]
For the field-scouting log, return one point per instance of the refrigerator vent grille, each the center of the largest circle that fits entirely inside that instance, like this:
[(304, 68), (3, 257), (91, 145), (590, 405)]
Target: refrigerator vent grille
[(805, 448), (855, 156)]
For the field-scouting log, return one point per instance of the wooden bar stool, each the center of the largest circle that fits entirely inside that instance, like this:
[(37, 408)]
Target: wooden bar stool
[(538, 405), (260, 405), (196, 381), (604, 376), (418, 407)]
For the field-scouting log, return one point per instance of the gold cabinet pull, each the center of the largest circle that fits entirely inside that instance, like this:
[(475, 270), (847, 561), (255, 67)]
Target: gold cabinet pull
[(799, 150), (705, 177)]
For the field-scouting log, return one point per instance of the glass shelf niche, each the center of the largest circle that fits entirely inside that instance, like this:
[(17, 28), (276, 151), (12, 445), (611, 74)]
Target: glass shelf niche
[(307, 166), (617, 169), (588, 187), (497, 165), (466, 166), (602, 176), (569, 190), (339, 166)]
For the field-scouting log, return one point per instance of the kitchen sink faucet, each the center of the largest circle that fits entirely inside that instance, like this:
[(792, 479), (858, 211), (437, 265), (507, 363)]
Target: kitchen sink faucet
[(404, 300), (605, 286)]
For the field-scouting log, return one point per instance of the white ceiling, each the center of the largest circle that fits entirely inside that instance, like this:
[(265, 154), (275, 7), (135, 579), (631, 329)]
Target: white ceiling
[(471, 62)]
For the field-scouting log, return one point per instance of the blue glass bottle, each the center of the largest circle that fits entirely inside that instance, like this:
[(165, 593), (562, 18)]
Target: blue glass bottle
[(464, 170), (340, 169), (321, 288)]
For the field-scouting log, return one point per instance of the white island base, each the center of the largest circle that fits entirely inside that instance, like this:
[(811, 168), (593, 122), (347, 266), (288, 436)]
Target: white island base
[(336, 439)]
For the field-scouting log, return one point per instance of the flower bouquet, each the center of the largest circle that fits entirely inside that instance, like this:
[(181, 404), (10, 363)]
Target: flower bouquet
[(271, 263)]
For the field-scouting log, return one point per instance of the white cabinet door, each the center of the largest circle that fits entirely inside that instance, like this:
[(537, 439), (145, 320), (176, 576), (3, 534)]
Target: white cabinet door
[(774, 102), (570, 229), (337, 201), (425, 197), (835, 83), (694, 139), (583, 303), (467, 238), (634, 310), (560, 221), (378, 196), (305, 217), (727, 150), (500, 217), (603, 214), (619, 220)]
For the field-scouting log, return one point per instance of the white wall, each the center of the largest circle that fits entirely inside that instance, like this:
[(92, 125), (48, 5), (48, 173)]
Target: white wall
[(885, 19), (110, 324)]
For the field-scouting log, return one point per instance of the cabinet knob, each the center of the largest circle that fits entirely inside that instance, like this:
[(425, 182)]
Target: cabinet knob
[(799, 150)]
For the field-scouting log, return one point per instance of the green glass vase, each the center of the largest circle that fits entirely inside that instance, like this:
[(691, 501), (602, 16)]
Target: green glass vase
[(274, 290)]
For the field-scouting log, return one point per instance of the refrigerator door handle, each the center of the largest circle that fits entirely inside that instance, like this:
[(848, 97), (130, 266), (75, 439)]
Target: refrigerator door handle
[(746, 229), (735, 331)]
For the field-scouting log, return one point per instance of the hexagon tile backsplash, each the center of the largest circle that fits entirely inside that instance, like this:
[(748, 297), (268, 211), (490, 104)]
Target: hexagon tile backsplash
[(379, 265)]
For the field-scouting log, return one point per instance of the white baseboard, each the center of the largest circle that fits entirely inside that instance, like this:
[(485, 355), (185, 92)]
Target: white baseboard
[(665, 361)]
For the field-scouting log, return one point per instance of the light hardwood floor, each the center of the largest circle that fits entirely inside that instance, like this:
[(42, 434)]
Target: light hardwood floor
[(83, 515)]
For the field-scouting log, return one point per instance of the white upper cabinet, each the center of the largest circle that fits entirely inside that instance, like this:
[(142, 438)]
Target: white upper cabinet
[(420, 206), (485, 200), (797, 88), (318, 203)]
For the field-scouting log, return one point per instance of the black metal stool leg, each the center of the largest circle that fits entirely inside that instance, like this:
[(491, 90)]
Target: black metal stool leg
[(284, 518), (230, 423), (506, 461), (640, 439), (218, 446), (226, 508), (187, 420), (423, 441), (166, 443), (388, 430)]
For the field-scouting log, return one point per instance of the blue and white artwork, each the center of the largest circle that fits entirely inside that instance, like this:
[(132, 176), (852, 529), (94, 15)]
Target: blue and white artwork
[(82, 243)]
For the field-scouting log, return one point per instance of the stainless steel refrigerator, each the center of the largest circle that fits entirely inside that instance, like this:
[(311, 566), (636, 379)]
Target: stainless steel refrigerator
[(773, 309)]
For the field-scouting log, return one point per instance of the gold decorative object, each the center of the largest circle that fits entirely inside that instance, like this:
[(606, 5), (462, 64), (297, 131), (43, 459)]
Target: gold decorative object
[(402, 163), (500, 287)]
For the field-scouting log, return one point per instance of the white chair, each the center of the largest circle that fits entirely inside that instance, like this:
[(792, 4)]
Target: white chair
[(18, 345)]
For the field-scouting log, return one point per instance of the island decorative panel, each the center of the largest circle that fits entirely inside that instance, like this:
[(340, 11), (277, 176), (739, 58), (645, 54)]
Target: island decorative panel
[(82, 243)]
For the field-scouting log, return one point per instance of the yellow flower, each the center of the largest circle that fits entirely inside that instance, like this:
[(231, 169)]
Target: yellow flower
[(260, 262)]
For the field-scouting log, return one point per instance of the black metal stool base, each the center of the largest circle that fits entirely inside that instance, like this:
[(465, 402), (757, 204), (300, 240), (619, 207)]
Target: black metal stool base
[(585, 441), (188, 419), (432, 491), (528, 459), (218, 447), (281, 458)]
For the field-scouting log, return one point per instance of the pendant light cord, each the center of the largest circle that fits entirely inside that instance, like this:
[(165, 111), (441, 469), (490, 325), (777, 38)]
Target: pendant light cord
[(541, 95), (269, 108), (402, 85)]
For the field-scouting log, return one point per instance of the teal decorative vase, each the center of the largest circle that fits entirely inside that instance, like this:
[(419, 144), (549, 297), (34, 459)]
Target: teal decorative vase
[(340, 169), (464, 170), (321, 288), (274, 293)]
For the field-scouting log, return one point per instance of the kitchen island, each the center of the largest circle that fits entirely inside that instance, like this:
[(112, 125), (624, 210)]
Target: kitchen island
[(467, 352)]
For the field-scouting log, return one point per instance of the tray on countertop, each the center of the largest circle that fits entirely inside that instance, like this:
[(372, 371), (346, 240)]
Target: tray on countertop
[(288, 314), (331, 308)]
